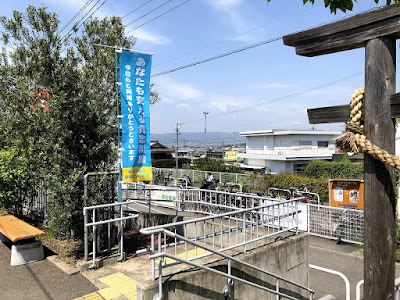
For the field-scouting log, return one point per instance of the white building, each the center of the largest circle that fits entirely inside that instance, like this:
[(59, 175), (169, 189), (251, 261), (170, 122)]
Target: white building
[(286, 150)]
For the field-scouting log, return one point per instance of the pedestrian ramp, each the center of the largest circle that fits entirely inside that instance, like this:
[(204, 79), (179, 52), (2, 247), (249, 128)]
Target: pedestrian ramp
[(118, 285)]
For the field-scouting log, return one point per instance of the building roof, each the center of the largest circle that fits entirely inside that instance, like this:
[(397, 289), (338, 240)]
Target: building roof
[(288, 132)]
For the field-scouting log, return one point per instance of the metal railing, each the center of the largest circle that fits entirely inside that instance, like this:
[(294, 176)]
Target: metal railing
[(336, 223), (227, 230), (216, 234), (199, 176), (292, 151), (341, 275), (108, 219), (396, 289)]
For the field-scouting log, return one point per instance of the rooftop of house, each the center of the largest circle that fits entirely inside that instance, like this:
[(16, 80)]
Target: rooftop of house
[(288, 132)]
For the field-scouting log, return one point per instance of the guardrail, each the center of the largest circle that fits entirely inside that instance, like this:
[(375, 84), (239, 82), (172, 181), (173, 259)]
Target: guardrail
[(218, 233), (228, 230), (109, 219), (336, 223), (199, 176), (341, 275)]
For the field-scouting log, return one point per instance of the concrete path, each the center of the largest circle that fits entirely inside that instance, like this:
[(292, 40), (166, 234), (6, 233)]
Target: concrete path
[(347, 259), (38, 281)]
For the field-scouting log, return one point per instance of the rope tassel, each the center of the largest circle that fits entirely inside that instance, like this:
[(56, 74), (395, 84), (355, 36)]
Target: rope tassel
[(354, 139)]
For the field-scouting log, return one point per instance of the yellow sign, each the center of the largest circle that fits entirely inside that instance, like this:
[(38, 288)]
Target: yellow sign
[(229, 156), (137, 174)]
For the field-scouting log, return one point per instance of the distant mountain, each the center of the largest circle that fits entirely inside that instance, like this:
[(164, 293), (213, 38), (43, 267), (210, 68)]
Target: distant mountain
[(196, 139)]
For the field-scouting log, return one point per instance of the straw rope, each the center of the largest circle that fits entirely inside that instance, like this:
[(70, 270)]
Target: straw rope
[(354, 140)]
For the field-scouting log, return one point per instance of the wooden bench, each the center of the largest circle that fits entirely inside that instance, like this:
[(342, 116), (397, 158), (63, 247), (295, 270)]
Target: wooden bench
[(24, 249)]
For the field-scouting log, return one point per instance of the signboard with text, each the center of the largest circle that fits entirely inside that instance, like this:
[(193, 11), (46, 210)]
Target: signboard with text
[(134, 73), (346, 193)]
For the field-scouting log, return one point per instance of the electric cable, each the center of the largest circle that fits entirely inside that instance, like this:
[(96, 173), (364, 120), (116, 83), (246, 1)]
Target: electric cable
[(219, 56), (155, 18), (131, 12), (276, 99), (75, 16), (166, 2), (76, 24)]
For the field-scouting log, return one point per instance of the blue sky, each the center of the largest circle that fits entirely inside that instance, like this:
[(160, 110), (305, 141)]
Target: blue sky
[(272, 79)]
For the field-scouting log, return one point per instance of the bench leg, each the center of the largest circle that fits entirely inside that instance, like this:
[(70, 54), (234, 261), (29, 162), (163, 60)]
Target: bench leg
[(3, 238), (26, 253)]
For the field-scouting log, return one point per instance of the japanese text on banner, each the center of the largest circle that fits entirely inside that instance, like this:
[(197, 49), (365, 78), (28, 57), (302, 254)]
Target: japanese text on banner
[(135, 108)]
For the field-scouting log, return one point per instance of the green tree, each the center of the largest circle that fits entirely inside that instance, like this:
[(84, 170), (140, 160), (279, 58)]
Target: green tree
[(207, 164), (78, 132), (343, 5)]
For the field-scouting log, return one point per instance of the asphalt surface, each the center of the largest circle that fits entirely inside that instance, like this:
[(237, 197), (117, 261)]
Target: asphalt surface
[(39, 280), (347, 259), (43, 280)]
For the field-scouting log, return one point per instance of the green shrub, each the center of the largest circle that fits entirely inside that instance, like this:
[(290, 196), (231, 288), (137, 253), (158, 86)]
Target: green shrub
[(170, 162), (341, 169), (289, 180), (206, 164)]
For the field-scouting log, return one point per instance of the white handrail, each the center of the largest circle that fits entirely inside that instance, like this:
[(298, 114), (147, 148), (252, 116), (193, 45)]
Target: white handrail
[(396, 288), (230, 258), (358, 289), (346, 281)]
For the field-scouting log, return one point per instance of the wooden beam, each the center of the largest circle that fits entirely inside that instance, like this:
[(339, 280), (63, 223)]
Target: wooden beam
[(332, 114), (341, 113), (395, 106), (379, 188), (350, 33)]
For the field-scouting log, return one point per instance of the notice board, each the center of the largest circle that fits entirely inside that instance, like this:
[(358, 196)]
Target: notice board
[(346, 193)]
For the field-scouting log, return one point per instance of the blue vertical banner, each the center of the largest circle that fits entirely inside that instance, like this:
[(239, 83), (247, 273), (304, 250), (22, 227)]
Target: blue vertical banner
[(134, 74)]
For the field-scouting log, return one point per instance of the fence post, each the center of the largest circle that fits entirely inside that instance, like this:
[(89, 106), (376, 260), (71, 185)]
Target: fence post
[(244, 233), (297, 217), (94, 239), (153, 265), (277, 289), (85, 229)]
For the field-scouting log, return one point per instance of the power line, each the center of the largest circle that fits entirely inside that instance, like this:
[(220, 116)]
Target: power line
[(148, 13), (211, 44), (76, 24), (232, 37), (131, 12), (75, 16), (219, 56), (278, 99), (160, 15), (67, 34)]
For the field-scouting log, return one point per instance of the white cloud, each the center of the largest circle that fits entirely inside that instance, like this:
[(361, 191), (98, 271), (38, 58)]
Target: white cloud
[(169, 88), (140, 34), (150, 37), (184, 106), (227, 103)]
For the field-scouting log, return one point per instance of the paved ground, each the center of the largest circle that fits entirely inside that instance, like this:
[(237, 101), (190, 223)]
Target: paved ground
[(38, 281), (43, 280), (346, 259)]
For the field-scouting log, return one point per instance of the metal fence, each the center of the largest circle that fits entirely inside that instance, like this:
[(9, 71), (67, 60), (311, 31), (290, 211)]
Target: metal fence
[(199, 176), (186, 241), (34, 202), (105, 215), (336, 223), (225, 231)]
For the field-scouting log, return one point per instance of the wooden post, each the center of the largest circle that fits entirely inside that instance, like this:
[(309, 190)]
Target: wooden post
[(377, 31), (379, 196)]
